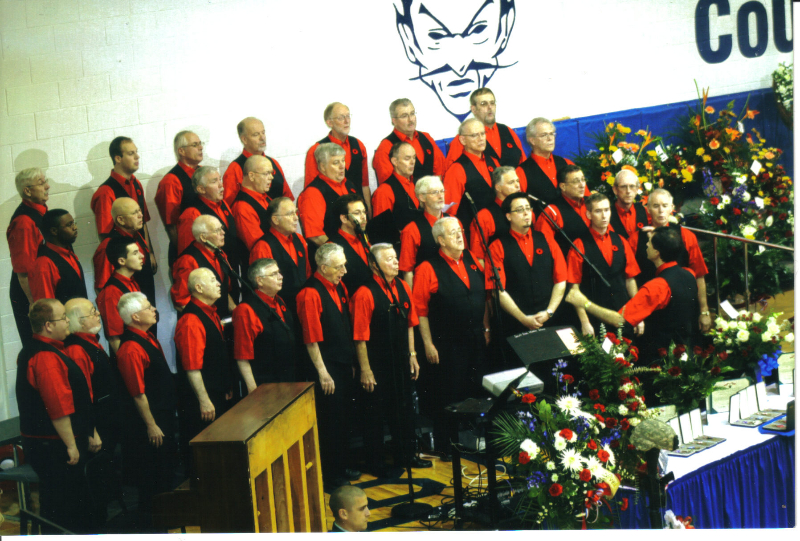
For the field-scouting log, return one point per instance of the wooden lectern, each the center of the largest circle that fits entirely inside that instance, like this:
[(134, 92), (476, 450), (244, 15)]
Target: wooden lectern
[(258, 468)]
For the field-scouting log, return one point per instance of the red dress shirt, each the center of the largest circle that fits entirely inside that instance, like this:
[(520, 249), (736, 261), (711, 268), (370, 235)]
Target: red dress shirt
[(311, 163), (309, 308), (485, 218), (311, 206), (364, 304), (654, 295), (383, 197), (247, 327), (107, 301), (132, 360), (543, 224), (102, 267), (628, 219), (181, 270), (44, 280), (169, 195), (190, 336), (104, 197), (548, 165), (355, 244), (410, 240), (492, 138), (456, 178), (383, 164), (232, 180), (426, 283), (248, 224), (24, 239), (696, 262), (526, 245), (262, 250), (188, 216), (575, 260)]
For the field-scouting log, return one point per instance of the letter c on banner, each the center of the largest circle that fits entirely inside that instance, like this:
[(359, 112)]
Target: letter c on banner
[(702, 29)]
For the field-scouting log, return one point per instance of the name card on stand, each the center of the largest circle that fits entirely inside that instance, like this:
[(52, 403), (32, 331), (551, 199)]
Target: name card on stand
[(689, 428), (747, 404)]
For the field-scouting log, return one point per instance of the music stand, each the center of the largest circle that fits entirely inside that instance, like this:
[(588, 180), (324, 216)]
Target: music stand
[(533, 348)]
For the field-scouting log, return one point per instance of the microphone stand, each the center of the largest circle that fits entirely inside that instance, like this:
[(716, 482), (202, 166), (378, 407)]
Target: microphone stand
[(409, 510)]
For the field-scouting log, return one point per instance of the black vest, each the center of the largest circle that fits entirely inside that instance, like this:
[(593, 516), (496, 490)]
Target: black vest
[(159, 385), (15, 289), (278, 180), (428, 249), (646, 267), (144, 278), (216, 370), (675, 322), (420, 169), (454, 311), (230, 229), (119, 190), (202, 262), (529, 285), (574, 226), (294, 275), (275, 344), (616, 222), (104, 377), (337, 344), (595, 290), (510, 153), (358, 272), (482, 193), (33, 417), (186, 184), (501, 224), (404, 210), (388, 330), (243, 253), (353, 174), (539, 184), (332, 222), (71, 284)]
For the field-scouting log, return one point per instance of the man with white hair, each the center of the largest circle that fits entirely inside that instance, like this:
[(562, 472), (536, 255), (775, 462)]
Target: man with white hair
[(204, 252), (127, 260), (324, 314), (148, 447), (204, 369), (450, 298), (471, 173), (492, 219), (250, 206), (254, 139), (175, 188), (628, 217), (24, 235)]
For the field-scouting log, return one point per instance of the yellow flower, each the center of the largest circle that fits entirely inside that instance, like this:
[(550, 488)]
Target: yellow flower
[(706, 158), (767, 201), (709, 110), (652, 153), (623, 129), (641, 133), (727, 150), (687, 176), (642, 180), (714, 144), (648, 165), (673, 172), (613, 148), (603, 163), (769, 164), (701, 151)]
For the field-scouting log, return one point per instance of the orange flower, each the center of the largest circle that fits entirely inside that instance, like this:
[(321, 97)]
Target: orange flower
[(709, 110), (641, 133), (696, 120), (769, 155), (633, 147), (648, 165), (750, 114), (714, 144), (733, 134), (691, 169)]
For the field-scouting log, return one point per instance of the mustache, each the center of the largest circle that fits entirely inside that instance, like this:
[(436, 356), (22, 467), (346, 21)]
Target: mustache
[(474, 65)]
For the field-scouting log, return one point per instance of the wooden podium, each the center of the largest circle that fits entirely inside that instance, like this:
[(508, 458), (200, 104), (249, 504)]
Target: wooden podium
[(258, 468)]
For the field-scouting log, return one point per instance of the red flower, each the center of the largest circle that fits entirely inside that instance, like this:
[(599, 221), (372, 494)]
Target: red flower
[(715, 371), (674, 371), (640, 225), (634, 406), (611, 422), (599, 417), (603, 455), (615, 444), (642, 468), (624, 424), (524, 457), (679, 350), (586, 475), (631, 447), (719, 222), (710, 349), (622, 395), (600, 407), (723, 355), (714, 201), (631, 394), (591, 445), (566, 434), (737, 212), (625, 380), (594, 394), (566, 378), (613, 337), (634, 351), (539, 251), (556, 490), (528, 398), (627, 340), (636, 380), (697, 350), (662, 352), (624, 506)]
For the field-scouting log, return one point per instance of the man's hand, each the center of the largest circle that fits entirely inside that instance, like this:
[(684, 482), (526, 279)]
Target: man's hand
[(432, 354), (576, 298), (154, 263), (531, 322), (541, 318), (648, 229), (587, 329), (155, 436), (207, 410), (74, 455), (95, 443), (326, 381), (639, 329), (368, 380), (414, 367), (705, 322)]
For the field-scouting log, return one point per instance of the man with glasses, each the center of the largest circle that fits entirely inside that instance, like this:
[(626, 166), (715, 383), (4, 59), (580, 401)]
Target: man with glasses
[(396, 196), (430, 160), (450, 298), (351, 211), (149, 448), (531, 268), (323, 310), (126, 259), (538, 175), (337, 117), (24, 235), (54, 396), (254, 138), (492, 219), (175, 188), (627, 216), (502, 142), (568, 211), (58, 274), (470, 174)]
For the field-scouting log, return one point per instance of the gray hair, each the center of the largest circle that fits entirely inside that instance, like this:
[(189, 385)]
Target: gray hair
[(243, 124), (623, 173), (180, 141), (202, 225), (197, 276), (467, 122), (402, 102), (530, 129), (499, 173), (24, 178), (326, 151), (199, 177), (438, 227), (378, 247), (129, 304), (326, 252), (424, 184), (659, 191), (74, 314), (257, 269), (329, 110)]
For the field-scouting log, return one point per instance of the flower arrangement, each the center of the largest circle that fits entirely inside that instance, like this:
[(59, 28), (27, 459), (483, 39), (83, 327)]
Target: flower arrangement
[(564, 469), (688, 377), (677, 523), (783, 83), (751, 341)]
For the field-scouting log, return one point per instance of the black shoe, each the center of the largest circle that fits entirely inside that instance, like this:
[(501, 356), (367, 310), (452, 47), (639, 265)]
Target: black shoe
[(333, 484), (417, 462), (352, 475)]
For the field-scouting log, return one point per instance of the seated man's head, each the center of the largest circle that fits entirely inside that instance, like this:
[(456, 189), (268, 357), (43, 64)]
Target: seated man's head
[(571, 182), (665, 243), (350, 508)]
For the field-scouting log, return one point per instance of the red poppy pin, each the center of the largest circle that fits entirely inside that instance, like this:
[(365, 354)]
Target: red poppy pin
[(405, 305), (429, 151), (344, 300), (139, 191), (474, 267), (491, 168), (640, 225), (509, 145), (355, 151), (614, 248), (300, 253), (283, 308), (539, 251)]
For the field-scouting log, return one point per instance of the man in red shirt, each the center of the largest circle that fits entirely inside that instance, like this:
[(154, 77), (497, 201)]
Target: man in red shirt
[(121, 183), (502, 142), (208, 199), (205, 382), (568, 211), (175, 188), (538, 175), (124, 256), (627, 216), (315, 204), (395, 197), (337, 118), (430, 160), (324, 314), (416, 241), (24, 235), (58, 273), (149, 448), (54, 396), (492, 219), (264, 339), (250, 206), (611, 255), (531, 269), (254, 138), (352, 214)]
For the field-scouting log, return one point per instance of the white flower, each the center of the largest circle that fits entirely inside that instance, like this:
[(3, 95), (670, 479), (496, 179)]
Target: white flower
[(634, 421), (726, 200), (789, 337), (569, 404), (593, 465), (571, 460), (741, 179), (551, 465), (529, 447), (626, 387), (648, 186), (554, 477), (721, 206), (742, 325), (611, 458), (768, 222), (743, 336), (749, 232), (623, 410), (685, 357), (745, 196), (728, 342), (721, 324), (773, 327), (756, 315), (560, 443), (766, 337)]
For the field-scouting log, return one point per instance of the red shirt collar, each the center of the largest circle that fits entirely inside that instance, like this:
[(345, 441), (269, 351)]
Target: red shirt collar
[(403, 137), (214, 205), (122, 180), (255, 195), (123, 232), (189, 171), (144, 334), (41, 209), (498, 202), (404, 181), (248, 154), (448, 258), (431, 218), (542, 161), (577, 205), (125, 280), (89, 337), (338, 141), (623, 210), (520, 237), (66, 253), (382, 283), (330, 181), (665, 266), (475, 159), (267, 299), (327, 283), (280, 236), (58, 344), (209, 309), (597, 236), (352, 240), (211, 256)]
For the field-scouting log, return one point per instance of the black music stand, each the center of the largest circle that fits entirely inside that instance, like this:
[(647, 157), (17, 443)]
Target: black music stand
[(537, 350)]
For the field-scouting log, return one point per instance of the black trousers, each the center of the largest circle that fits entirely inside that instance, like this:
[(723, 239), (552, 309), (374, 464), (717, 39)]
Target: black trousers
[(153, 469), (334, 414), (388, 403), (191, 423)]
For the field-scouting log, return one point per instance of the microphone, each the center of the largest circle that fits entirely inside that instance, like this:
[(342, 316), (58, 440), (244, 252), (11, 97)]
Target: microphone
[(468, 196), (534, 198)]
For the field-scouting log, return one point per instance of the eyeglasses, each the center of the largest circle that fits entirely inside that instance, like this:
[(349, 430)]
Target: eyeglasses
[(478, 135), (293, 213), (272, 274), (359, 213), (488, 103), (454, 233), (406, 116), (198, 144), (44, 182), (434, 192), (342, 118), (631, 187), (547, 135), (522, 210), (337, 268), (93, 313), (267, 174), (151, 307), (57, 320)]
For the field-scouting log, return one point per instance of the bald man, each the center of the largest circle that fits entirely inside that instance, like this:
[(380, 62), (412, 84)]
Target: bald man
[(350, 509), (254, 139), (128, 223), (627, 216), (250, 207)]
